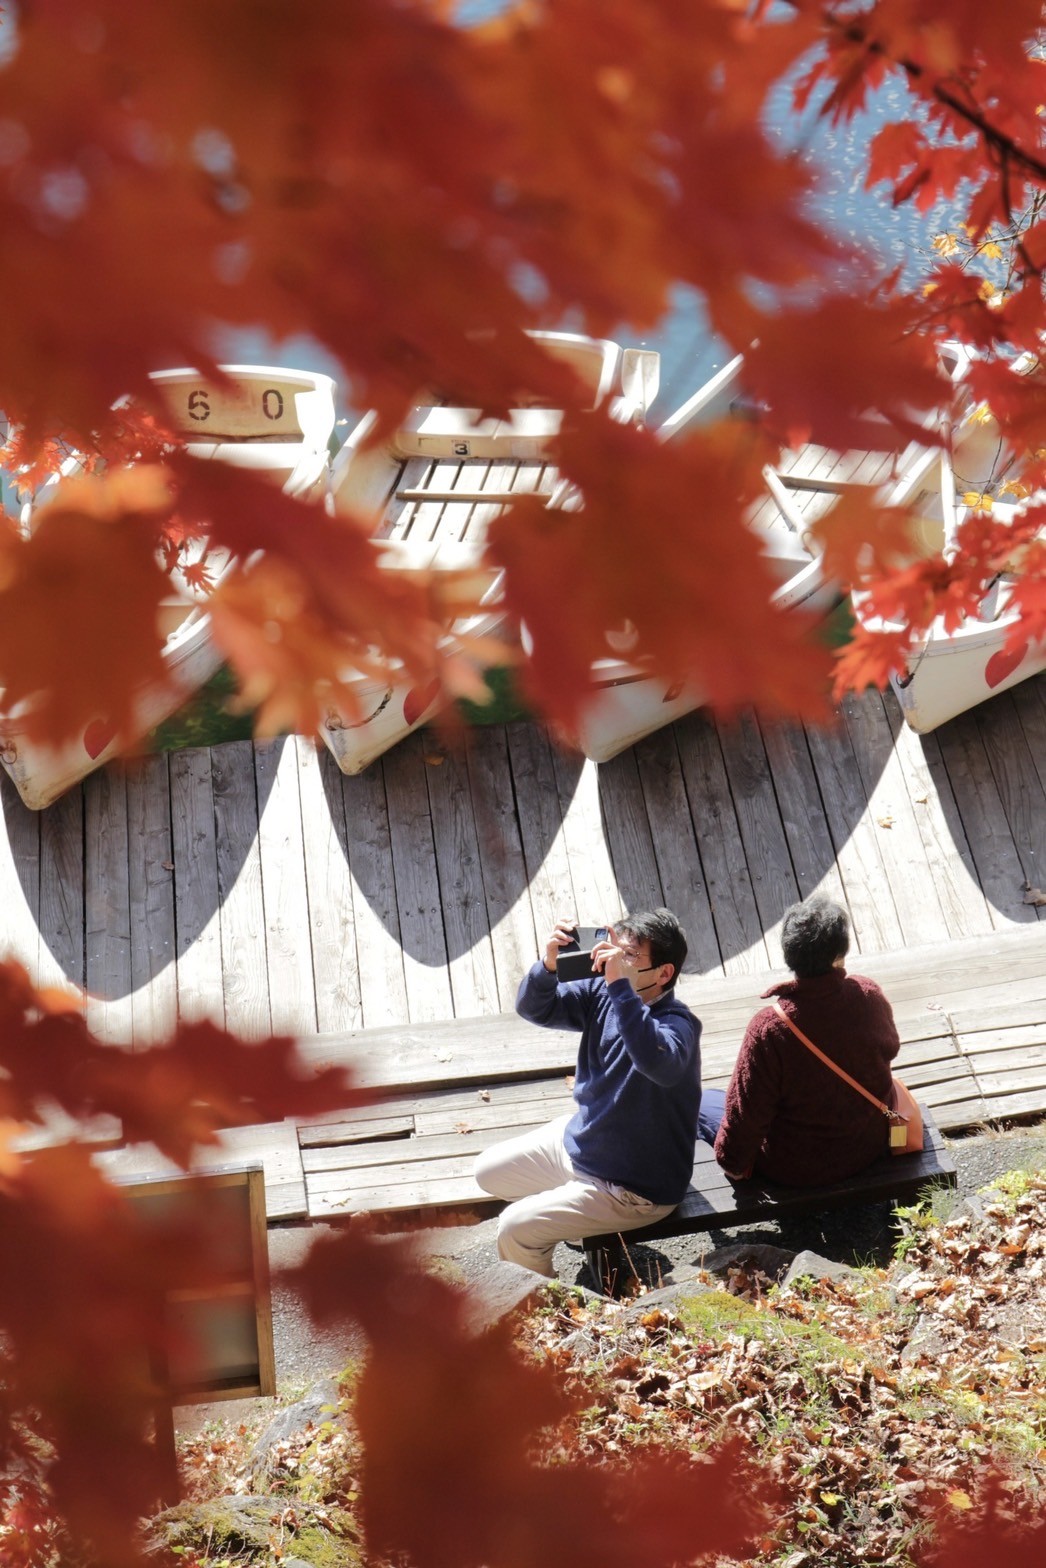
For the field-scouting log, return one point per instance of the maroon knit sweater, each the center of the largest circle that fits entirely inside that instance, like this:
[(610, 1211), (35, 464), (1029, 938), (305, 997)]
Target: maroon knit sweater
[(788, 1116)]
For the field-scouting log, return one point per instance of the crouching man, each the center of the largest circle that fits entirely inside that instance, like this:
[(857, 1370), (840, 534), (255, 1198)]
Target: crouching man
[(626, 1155)]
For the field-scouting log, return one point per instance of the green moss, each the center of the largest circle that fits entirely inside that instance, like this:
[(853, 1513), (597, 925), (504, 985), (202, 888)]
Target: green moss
[(837, 628), (715, 1313), (1009, 1188), (210, 718), (334, 1548), (506, 703), (205, 720)]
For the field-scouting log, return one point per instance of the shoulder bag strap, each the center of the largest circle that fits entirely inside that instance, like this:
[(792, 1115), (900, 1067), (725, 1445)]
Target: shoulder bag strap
[(827, 1060)]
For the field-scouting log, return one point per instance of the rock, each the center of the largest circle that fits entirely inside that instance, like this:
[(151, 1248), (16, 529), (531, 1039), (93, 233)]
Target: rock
[(683, 1284), (972, 1208), (320, 1404), (929, 1341), (502, 1289), (810, 1265), (772, 1261), (240, 1526)]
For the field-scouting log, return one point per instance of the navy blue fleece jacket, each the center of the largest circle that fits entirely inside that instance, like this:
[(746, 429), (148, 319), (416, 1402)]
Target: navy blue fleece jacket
[(637, 1084)]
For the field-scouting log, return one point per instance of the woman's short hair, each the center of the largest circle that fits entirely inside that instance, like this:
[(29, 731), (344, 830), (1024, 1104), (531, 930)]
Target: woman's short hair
[(814, 934)]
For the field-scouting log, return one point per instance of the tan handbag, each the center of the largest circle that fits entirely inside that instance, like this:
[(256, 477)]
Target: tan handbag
[(903, 1117)]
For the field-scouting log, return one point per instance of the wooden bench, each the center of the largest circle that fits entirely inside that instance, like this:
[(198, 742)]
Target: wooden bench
[(714, 1202)]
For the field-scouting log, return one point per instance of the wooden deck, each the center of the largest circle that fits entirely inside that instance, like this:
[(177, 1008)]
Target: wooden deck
[(259, 886)]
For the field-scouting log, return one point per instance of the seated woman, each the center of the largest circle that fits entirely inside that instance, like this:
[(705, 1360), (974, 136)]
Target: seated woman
[(786, 1115)]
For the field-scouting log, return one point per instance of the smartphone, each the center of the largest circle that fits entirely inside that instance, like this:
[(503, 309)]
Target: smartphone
[(575, 961)]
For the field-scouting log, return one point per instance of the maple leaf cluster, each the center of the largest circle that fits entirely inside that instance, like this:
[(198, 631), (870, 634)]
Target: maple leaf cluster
[(413, 193)]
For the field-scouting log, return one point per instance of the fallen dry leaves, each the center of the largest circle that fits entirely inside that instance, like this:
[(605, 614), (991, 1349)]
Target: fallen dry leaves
[(876, 1400), (894, 1417)]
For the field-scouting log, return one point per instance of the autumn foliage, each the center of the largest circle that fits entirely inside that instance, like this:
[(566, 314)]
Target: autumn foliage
[(413, 190)]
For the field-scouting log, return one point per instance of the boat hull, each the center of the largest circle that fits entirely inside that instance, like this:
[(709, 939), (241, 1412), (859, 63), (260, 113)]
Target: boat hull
[(628, 703), (626, 706), (950, 673), (42, 773), (389, 710), (274, 421)]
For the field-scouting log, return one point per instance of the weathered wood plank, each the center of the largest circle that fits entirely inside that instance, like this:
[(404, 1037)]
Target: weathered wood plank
[(948, 862), (417, 880), (288, 950), (514, 941), (242, 911), (759, 821), (891, 809), (200, 976), (62, 890), (466, 922), (1016, 1107), (476, 1050), (1010, 1037), (942, 974), (328, 882), (150, 858), (675, 848), (379, 955), (328, 1134), (455, 1188), (274, 1146), (598, 897), (998, 866), (1019, 782), (503, 1113), (540, 826), (1029, 704), (415, 1158), (622, 808), (738, 926), (398, 515), (442, 1109), (498, 480), (428, 515), (19, 879), (107, 915), (802, 810), (854, 835)]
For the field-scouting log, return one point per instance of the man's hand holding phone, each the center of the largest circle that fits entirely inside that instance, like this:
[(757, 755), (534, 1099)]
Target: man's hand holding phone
[(610, 959), (564, 936)]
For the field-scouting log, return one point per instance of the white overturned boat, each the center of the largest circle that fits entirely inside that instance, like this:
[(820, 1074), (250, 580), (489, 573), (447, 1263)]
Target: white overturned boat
[(948, 671), (628, 701), (440, 481), (275, 421)]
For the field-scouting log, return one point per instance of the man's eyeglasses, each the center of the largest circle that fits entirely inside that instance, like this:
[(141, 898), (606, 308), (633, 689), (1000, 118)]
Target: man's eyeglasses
[(632, 956)]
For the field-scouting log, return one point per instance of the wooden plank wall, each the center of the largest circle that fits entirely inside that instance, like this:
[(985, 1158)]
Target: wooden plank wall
[(258, 886)]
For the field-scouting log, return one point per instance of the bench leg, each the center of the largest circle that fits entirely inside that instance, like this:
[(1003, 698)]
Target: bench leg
[(605, 1264)]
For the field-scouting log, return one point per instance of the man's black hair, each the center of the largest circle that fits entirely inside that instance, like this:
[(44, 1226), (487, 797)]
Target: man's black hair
[(666, 936), (814, 934)]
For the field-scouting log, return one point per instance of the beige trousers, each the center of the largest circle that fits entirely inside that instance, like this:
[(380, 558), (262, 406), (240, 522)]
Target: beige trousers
[(549, 1201)]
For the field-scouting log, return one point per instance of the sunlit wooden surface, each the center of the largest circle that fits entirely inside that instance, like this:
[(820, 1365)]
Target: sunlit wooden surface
[(257, 885)]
